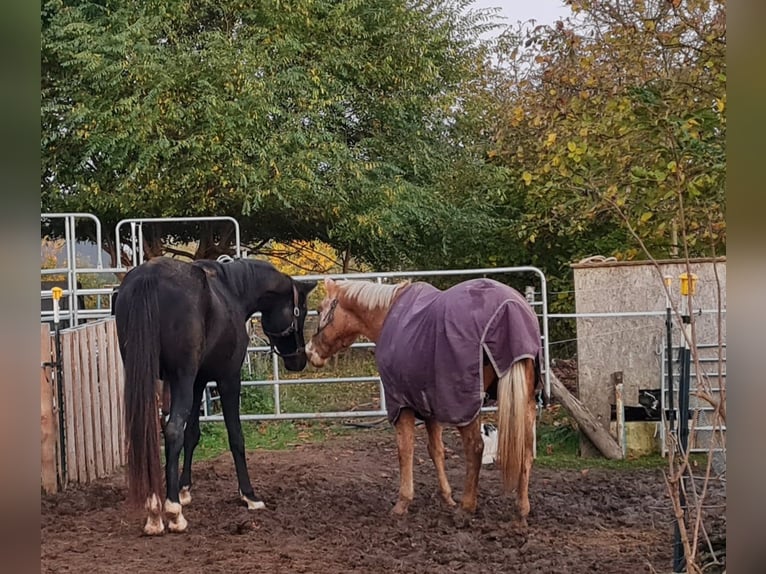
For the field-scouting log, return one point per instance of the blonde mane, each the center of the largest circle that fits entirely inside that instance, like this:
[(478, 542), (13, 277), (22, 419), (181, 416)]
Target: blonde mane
[(371, 295)]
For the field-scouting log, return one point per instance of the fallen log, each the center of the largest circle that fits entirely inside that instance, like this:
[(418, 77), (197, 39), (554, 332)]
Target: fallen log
[(587, 423)]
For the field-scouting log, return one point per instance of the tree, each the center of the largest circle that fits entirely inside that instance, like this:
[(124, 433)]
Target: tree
[(310, 119), (614, 117)]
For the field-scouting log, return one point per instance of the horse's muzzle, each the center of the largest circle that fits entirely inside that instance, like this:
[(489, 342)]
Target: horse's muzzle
[(314, 358)]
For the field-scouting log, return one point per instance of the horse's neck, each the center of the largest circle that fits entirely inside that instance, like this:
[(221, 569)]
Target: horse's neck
[(371, 319), (371, 323), (255, 288)]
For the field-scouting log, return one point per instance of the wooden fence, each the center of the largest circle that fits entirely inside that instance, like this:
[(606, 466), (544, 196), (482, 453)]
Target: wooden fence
[(92, 443)]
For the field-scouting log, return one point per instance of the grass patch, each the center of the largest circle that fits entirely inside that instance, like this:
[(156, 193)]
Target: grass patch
[(265, 435), (558, 447)]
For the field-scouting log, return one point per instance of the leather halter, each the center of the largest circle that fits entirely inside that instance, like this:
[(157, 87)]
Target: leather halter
[(292, 328), (330, 317)]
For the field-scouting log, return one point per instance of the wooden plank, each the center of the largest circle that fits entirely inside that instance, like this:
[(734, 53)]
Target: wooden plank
[(115, 377), (87, 403), (587, 423), (120, 371), (106, 398), (95, 397), (79, 424), (48, 425), (69, 406), (619, 405)]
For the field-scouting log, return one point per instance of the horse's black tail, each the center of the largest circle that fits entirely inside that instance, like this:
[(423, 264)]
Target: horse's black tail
[(141, 357)]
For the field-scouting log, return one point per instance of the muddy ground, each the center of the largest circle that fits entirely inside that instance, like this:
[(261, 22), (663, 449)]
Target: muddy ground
[(327, 511)]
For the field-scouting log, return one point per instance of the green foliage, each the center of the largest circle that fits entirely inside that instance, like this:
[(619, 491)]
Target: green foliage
[(303, 119)]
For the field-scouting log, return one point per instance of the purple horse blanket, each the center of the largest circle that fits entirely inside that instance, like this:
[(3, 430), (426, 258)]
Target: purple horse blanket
[(431, 348)]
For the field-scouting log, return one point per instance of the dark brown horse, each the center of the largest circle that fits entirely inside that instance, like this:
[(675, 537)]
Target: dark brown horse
[(184, 324), (438, 353)]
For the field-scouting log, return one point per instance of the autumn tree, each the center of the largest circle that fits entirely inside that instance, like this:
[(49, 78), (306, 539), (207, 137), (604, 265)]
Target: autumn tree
[(614, 118)]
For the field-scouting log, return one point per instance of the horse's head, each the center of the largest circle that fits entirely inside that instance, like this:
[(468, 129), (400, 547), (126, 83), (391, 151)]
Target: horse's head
[(338, 327), (283, 325)]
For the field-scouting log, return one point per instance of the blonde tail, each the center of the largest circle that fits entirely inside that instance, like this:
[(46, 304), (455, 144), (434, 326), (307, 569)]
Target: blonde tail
[(511, 423)]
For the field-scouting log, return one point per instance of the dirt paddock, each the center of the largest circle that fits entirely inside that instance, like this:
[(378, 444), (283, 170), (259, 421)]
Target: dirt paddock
[(327, 511)]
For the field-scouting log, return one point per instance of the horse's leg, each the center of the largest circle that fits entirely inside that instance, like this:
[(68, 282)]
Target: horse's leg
[(436, 450), (191, 440), (405, 443), (473, 446), (229, 391), (180, 407), (530, 415), (153, 525)]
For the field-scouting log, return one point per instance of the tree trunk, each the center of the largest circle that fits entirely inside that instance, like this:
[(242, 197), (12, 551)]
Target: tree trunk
[(588, 424)]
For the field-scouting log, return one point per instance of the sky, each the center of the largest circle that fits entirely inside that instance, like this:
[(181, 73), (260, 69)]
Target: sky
[(543, 11)]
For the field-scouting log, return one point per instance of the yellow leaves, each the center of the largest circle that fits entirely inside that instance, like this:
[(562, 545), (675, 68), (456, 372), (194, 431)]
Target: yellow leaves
[(691, 127), (518, 113), (672, 166), (646, 216), (550, 140), (720, 104), (302, 257), (575, 151), (274, 169), (527, 177)]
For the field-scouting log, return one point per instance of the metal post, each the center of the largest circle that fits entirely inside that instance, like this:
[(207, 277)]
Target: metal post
[(688, 284), (277, 401), (57, 293), (671, 412)]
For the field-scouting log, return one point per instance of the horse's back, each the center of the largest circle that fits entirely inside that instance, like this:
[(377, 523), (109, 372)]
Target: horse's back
[(181, 301), (430, 351)]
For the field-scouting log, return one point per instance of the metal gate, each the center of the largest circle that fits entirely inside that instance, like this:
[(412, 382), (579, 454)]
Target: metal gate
[(705, 433), (535, 294), (74, 312)]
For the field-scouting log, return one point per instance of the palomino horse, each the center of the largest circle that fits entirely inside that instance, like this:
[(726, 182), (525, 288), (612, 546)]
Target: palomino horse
[(184, 323), (438, 353)]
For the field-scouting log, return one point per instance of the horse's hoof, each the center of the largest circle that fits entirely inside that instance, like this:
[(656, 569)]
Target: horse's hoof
[(400, 508), (252, 502), (520, 525), (154, 527), (449, 501), (184, 497), (176, 520), (178, 525), (462, 518)]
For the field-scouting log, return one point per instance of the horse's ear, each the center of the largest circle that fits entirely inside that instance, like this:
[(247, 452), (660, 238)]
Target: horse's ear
[(306, 287), (329, 283)]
